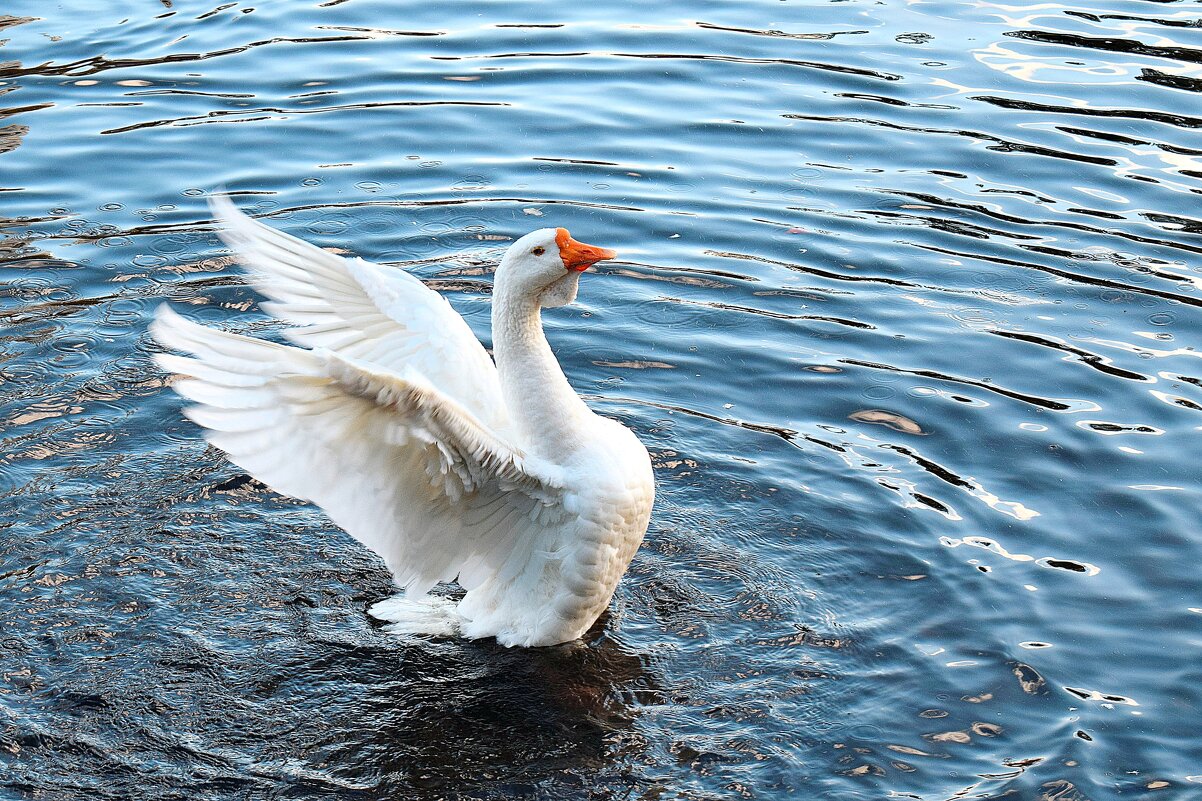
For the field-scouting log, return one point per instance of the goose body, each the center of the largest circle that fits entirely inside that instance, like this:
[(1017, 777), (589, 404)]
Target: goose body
[(387, 413)]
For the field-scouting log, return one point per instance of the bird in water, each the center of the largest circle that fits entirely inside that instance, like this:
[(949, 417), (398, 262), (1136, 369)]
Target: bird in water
[(388, 413)]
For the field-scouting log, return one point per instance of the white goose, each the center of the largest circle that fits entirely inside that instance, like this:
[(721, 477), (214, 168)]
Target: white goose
[(399, 426)]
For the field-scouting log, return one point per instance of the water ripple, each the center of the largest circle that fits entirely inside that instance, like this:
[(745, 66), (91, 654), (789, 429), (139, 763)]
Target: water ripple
[(906, 313)]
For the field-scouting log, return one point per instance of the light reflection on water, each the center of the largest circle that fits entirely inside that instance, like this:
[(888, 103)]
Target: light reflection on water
[(908, 316)]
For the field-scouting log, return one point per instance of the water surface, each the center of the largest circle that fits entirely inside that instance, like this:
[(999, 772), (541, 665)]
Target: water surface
[(908, 313)]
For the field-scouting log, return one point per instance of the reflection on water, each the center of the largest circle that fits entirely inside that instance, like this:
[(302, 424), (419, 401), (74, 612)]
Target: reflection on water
[(909, 320)]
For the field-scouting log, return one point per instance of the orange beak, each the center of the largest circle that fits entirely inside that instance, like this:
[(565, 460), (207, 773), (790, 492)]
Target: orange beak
[(577, 255)]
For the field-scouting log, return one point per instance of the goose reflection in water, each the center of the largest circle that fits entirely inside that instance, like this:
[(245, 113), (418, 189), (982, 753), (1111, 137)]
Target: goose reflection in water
[(473, 715)]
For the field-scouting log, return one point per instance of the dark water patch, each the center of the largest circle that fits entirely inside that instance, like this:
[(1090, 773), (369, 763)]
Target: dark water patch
[(1052, 404), (269, 113), (1000, 145), (1171, 23), (1115, 45), (785, 62), (780, 34), (1179, 120), (1026, 221), (1094, 360), (100, 64), (1075, 277)]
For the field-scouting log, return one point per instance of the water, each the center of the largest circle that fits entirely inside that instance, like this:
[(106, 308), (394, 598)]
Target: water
[(908, 313)]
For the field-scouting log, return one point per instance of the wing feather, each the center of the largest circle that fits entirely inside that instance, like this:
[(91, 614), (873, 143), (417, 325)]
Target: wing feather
[(401, 466), (364, 312)]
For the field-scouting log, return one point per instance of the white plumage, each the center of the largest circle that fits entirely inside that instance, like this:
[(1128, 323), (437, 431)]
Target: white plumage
[(393, 419)]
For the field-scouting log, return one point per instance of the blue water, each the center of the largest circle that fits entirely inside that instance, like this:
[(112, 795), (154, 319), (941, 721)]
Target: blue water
[(907, 310)]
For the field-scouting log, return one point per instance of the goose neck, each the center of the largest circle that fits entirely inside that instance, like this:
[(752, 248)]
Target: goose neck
[(546, 411)]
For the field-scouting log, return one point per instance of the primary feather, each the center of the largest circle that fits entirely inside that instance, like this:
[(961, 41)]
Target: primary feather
[(361, 310)]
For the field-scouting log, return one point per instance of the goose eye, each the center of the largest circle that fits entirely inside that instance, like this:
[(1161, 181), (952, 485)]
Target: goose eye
[(539, 251)]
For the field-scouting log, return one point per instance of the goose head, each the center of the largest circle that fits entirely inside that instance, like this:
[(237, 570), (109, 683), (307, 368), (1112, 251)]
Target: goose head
[(546, 265)]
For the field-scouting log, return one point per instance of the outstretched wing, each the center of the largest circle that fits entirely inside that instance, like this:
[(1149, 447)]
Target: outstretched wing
[(364, 312), (393, 460)]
